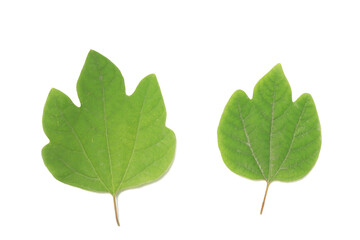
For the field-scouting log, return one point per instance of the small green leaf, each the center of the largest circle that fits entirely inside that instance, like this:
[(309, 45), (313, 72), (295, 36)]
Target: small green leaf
[(270, 137), (112, 142)]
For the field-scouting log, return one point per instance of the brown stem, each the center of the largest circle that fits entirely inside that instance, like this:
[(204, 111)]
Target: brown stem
[(262, 206), (116, 213)]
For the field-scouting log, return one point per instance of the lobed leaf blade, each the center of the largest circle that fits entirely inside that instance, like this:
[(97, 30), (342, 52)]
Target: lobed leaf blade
[(112, 142), (269, 137)]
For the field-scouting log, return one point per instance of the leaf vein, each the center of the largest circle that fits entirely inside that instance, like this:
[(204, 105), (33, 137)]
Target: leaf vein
[(292, 141), (135, 141), (249, 144), (81, 145)]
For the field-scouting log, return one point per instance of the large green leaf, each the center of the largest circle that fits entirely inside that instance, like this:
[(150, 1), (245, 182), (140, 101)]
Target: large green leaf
[(112, 142), (270, 137)]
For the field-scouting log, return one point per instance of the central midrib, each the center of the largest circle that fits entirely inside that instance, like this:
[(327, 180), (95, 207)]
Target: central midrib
[(106, 132), (271, 129)]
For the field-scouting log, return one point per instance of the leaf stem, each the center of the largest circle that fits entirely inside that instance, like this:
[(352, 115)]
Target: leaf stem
[(116, 212), (262, 206)]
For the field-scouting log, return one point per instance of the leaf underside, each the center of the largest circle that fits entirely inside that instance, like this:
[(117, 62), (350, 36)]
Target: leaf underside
[(270, 137), (112, 142)]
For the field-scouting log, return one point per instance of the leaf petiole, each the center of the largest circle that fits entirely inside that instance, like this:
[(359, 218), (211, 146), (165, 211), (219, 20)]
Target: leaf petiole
[(262, 206), (116, 212)]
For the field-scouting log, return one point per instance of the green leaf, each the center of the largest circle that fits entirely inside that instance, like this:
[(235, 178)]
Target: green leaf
[(112, 142), (270, 137)]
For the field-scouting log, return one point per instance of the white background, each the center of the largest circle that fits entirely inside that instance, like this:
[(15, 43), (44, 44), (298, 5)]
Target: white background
[(201, 52)]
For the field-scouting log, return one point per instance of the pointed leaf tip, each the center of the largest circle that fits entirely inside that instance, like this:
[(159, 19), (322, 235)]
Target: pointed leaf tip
[(278, 65), (93, 52), (54, 91), (277, 69), (151, 76)]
